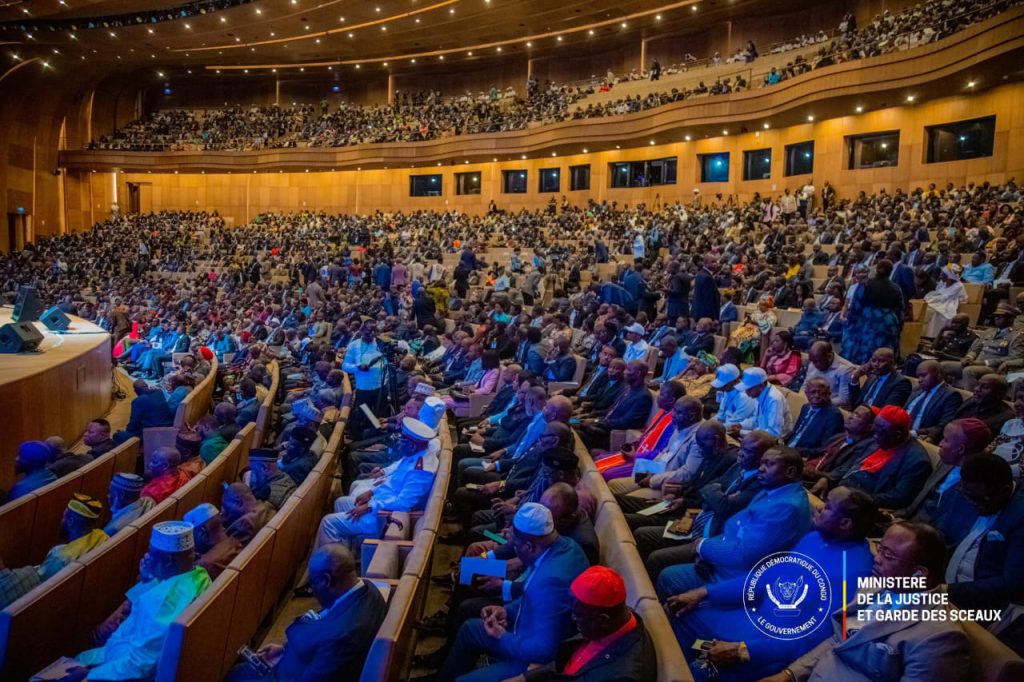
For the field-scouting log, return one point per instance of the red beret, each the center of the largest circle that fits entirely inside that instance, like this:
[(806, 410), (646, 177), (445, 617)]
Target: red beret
[(896, 416), (977, 433), (206, 353), (599, 586)]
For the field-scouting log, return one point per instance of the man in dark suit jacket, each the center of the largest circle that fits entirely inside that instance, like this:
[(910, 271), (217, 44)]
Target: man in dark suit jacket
[(902, 275), (886, 385), (149, 409), (629, 411), (961, 439), (990, 577), (603, 393), (562, 367), (988, 403), (934, 403), (530, 627), (424, 308), (706, 301), (601, 615), (703, 340), (248, 409), (819, 420), (894, 473), (331, 643)]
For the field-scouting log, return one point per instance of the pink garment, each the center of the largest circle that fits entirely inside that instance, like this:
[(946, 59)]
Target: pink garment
[(785, 366), (487, 384)]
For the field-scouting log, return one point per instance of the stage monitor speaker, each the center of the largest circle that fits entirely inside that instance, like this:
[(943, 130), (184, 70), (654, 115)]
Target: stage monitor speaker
[(26, 307), (19, 337), (55, 320)]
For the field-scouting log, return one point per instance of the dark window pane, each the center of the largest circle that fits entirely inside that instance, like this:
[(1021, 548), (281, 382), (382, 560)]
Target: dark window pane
[(550, 180), (800, 158), (643, 173), (467, 183), (579, 177), (513, 181), (424, 185), (961, 140), (876, 150), (757, 164), (714, 167)]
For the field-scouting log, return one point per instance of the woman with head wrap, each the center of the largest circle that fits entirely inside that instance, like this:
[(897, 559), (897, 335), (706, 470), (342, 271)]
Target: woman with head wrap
[(875, 316)]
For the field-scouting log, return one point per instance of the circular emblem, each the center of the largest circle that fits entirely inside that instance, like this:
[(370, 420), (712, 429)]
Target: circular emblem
[(787, 595)]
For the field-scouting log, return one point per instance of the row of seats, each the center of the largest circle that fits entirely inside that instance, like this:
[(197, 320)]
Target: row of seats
[(30, 525), (58, 617), (192, 408), (263, 418), (203, 642), (405, 566), (618, 552)]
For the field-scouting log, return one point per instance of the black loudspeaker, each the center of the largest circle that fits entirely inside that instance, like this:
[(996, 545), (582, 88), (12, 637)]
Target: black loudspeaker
[(55, 320), (19, 337), (26, 307)]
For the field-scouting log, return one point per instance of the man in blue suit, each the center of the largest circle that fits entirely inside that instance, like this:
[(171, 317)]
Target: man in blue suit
[(629, 411), (248, 408), (330, 643), (838, 542), (886, 385), (934, 403), (706, 301), (149, 408), (819, 420), (902, 275), (774, 520), (529, 628), (985, 531)]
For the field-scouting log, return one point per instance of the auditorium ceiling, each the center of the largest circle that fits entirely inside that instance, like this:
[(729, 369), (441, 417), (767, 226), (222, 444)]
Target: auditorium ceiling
[(294, 35)]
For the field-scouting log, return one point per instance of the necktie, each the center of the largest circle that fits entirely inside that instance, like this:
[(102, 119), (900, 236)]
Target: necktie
[(870, 400), (802, 426), (585, 389), (916, 409)]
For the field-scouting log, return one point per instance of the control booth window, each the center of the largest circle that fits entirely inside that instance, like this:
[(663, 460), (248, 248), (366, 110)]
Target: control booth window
[(875, 150), (757, 164), (579, 177), (714, 167), (643, 173), (800, 158), (513, 181), (550, 180), (971, 139), (424, 185), (467, 183)]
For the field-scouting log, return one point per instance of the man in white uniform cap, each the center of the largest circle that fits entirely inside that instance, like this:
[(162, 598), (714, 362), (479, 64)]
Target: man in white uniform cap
[(637, 348), (405, 489), (169, 581)]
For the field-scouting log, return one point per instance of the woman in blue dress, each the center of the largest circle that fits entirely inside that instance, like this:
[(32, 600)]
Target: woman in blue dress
[(875, 316)]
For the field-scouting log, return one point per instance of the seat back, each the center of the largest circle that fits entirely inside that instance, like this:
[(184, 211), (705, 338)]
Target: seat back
[(581, 370), (383, 662), (255, 599), (35, 628), (110, 570), (17, 519), (195, 644), (52, 500), (245, 439), (96, 477)]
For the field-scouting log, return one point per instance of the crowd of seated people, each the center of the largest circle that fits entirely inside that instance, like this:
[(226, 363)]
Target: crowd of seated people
[(322, 294), (420, 116)]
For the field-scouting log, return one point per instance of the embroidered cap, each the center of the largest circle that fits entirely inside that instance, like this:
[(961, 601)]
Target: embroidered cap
[(172, 537)]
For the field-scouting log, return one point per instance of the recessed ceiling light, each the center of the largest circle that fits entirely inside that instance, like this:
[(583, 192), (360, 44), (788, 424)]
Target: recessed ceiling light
[(383, 28), (223, 20), (651, 142), (623, 24), (693, 7), (657, 17), (554, 153), (385, 63), (341, 19), (590, 32), (470, 53), (351, 35), (529, 44), (188, 25), (971, 84), (499, 48), (413, 60), (357, 66), (559, 38), (259, 11), (765, 126), (150, 31), (451, 11), (687, 138), (810, 118), (910, 98), (725, 132), (441, 57), (584, 150)]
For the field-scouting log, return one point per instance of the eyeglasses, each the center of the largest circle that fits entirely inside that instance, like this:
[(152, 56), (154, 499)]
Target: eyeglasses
[(889, 555)]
